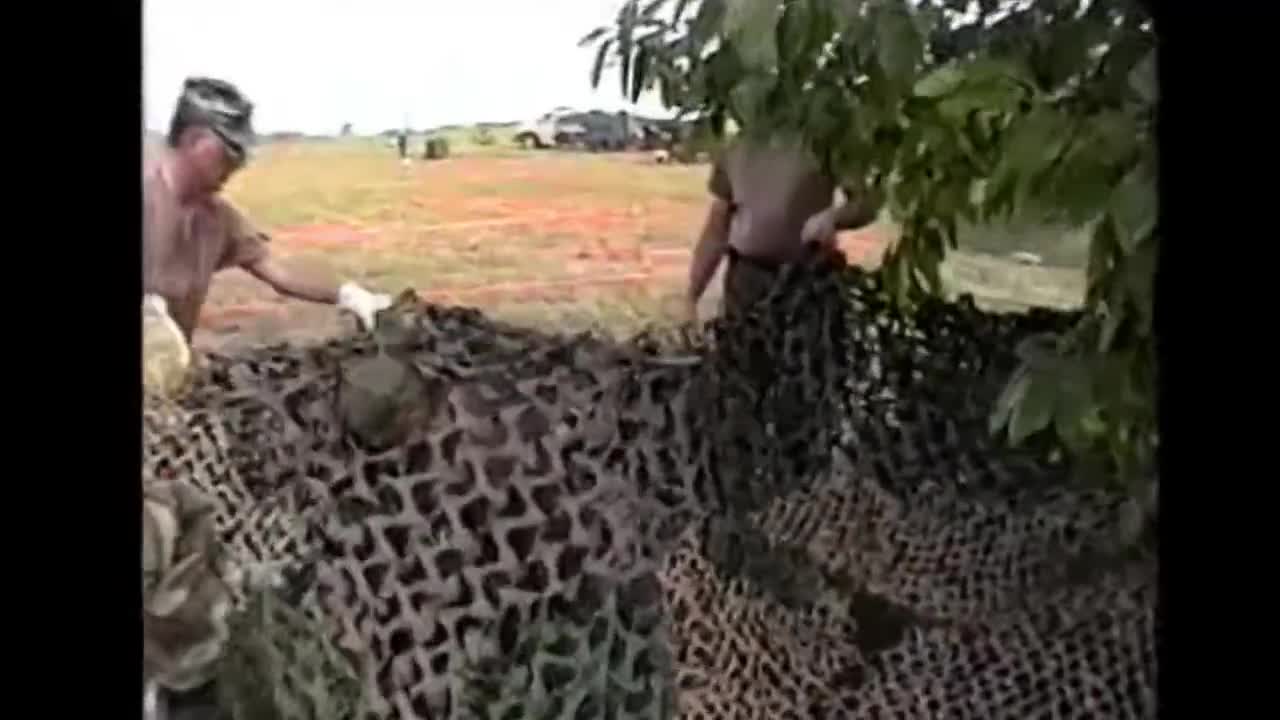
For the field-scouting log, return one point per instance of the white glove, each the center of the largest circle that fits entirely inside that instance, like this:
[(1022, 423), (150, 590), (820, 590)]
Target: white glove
[(820, 228), (362, 303)]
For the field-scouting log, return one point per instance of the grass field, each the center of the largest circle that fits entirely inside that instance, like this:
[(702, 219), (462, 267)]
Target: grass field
[(538, 237)]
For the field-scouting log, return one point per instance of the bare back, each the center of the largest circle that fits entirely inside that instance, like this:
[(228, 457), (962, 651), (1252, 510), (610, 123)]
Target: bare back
[(183, 246)]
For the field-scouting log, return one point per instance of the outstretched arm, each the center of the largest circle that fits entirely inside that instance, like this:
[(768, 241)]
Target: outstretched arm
[(279, 278), (348, 296), (247, 249)]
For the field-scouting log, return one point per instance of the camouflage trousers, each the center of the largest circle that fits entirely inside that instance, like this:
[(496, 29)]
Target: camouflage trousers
[(186, 586), (746, 281)]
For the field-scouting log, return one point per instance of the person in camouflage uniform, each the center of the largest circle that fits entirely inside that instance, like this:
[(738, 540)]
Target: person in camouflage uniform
[(190, 232)]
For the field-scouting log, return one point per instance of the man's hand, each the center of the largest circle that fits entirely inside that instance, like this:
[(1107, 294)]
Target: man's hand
[(820, 228), (689, 310), (362, 303)]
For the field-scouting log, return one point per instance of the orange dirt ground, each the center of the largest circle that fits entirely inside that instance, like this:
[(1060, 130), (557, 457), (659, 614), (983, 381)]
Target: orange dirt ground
[(494, 233)]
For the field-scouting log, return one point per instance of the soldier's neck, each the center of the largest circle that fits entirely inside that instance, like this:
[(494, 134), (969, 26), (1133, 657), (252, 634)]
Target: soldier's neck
[(178, 176)]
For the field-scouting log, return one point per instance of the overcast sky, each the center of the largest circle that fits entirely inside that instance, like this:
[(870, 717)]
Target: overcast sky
[(311, 65)]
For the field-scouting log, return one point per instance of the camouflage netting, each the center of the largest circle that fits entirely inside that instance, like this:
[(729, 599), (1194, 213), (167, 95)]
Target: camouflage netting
[(798, 513), (184, 585)]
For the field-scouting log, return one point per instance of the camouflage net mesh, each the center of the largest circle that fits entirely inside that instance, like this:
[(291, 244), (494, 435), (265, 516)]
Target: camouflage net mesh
[(280, 663), (796, 514)]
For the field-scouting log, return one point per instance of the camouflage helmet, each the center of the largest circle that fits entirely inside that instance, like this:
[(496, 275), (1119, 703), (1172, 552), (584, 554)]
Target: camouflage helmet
[(219, 106)]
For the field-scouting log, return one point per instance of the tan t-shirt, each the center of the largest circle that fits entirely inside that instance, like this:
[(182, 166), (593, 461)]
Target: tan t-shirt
[(182, 247), (773, 188)]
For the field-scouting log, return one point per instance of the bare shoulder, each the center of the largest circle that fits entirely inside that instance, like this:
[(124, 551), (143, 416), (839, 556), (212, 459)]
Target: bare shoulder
[(229, 212)]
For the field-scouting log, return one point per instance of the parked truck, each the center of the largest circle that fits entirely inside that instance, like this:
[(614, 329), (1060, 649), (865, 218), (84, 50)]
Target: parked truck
[(595, 130), (549, 130)]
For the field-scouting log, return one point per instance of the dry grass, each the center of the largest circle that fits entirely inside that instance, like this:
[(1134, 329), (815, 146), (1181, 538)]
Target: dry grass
[(539, 237)]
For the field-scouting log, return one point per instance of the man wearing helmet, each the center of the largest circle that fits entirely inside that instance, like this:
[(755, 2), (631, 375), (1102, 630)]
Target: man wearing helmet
[(190, 233)]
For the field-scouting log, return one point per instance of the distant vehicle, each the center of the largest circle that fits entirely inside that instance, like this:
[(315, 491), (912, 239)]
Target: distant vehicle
[(595, 130), (550, 130), (605, 132)]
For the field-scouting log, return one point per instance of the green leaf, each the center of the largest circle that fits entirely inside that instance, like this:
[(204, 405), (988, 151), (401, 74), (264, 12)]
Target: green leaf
[(1139, 280), (1066, 55), (978, 191), (1143, 78), (724, 72), (1133, 205), (998, 69), (669, 88), (822, 118), (752, 27), (679, 10), (1035, 411), (925, 18), (929, 259), (1075, 411), (625, 37), (1080, 185), (898, 46), (1000, 95), (749, 99), (845, 15), (1033, 143), (592, 36), (1125, 54), (1112, 377), (1009, 398), (1114, 134), (792, 34), (1111, 321), (822, 23), (639, 73), (902, 283), (710, 18), (939, 82), (598, 67), (1102, 249), (1039, 351), (652, 7)]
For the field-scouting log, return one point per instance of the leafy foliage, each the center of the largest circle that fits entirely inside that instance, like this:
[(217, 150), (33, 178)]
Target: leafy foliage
[(956, 111)]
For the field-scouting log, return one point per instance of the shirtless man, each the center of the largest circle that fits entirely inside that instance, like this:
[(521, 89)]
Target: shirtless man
[(769, 198), (190, 233)]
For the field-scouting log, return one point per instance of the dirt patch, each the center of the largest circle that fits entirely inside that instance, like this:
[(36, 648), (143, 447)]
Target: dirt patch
[(322, 237), (568, 232), (593, 269)]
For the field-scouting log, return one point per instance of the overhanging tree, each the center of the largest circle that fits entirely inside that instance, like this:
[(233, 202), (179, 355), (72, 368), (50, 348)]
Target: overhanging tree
[(954, 111)]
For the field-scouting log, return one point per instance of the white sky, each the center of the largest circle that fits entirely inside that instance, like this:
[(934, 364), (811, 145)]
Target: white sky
[(311, 65)]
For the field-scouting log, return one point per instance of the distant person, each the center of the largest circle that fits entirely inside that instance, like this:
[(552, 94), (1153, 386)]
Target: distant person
[(190, 233), (402, 144), (769, 198)]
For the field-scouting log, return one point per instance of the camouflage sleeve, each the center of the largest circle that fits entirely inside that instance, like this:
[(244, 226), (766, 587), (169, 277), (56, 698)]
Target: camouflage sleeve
[(246, 244)]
